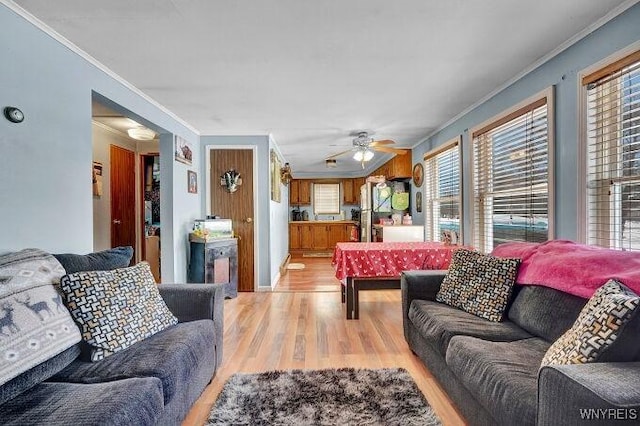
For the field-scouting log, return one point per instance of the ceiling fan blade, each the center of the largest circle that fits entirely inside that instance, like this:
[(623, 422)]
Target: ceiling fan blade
[(382, 142), (338, 154), (398, 151)]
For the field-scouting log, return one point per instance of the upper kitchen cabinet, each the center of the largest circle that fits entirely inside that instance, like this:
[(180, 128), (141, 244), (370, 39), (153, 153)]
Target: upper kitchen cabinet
[(349, 191), (300, 192), (399, 167)]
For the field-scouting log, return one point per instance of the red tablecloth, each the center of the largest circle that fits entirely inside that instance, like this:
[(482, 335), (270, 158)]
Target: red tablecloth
[(389, 259)]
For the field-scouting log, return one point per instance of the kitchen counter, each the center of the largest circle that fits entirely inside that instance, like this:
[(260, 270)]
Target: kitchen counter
[(399, 233)]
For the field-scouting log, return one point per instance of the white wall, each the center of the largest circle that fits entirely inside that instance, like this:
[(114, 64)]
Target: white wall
[(278, 225)]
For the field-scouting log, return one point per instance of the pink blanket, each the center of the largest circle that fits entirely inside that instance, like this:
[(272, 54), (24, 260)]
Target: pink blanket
[(570, 267)]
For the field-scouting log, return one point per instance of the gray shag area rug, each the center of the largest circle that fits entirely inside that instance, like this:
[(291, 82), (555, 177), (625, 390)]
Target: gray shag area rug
[(345, 396)]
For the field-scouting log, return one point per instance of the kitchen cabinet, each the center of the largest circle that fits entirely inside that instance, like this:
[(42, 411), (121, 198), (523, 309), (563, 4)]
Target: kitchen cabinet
[(339, 233), (357, 183), (306, 237), (318, 236), (349, 191), (295, 233), (399, 167), (300, 192)]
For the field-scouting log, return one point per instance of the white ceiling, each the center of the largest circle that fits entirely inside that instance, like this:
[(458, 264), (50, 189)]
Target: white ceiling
[(311, 72)]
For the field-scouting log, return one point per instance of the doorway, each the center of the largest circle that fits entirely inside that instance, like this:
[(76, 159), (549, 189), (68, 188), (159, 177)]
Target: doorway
[(237, 205), (119, 202), (150, 217)]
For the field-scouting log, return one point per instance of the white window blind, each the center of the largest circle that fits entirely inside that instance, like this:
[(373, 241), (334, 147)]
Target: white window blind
[(326, 198), (613, 155), (442, 192), (511, 173)]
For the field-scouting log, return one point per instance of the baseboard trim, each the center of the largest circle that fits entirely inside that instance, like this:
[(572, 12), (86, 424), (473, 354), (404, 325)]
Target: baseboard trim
[(283, 265)]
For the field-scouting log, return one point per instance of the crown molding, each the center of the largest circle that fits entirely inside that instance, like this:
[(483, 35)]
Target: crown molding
[(93, 61)]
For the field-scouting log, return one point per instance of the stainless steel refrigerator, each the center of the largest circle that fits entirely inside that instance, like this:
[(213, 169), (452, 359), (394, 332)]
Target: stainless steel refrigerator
[(382, 201)]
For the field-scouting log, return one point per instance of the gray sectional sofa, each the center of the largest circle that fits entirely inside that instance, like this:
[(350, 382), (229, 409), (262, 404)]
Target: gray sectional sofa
[(492, 372), (153, 382)]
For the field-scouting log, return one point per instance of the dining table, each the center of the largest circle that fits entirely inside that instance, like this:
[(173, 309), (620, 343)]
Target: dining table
[(376, 266)]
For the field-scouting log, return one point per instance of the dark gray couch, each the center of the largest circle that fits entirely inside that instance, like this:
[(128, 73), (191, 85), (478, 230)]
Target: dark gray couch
[(153, 382), (492, 372)]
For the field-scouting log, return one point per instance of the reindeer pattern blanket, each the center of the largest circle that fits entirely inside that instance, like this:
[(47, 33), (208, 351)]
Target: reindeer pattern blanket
[(34, 323)]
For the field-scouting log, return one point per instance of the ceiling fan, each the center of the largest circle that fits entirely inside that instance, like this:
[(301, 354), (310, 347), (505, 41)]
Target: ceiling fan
[(364, 147)]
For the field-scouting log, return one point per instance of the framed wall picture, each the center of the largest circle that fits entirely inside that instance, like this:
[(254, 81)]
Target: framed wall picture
[(183, 150), (418, 175), (96, 178), (419, 202), (192, 182), (275, 176)]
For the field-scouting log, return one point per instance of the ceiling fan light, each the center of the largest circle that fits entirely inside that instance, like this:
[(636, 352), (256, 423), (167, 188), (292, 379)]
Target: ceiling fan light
[(359, 155), (367, 155), (141, 133)]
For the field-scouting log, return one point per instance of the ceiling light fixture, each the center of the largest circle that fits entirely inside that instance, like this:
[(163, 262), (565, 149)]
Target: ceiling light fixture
[(363, 155), (331, 163), (141, 133)]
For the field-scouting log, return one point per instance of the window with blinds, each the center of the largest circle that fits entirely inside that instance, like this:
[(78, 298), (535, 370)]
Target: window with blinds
[(442, 191), (613, 155), (511, 175), (326, 198)]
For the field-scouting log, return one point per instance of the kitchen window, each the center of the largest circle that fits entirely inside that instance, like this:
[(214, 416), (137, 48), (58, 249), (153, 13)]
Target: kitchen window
[(326, 198), (613, 154), (442, 192), (512, 179)]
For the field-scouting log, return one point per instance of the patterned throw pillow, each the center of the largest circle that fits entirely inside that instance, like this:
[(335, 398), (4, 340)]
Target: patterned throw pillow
[(479, 284), (599, 325), (117, 308)]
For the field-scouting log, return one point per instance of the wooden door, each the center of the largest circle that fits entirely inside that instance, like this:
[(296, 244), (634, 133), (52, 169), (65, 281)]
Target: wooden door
[(123, 197), (237, 206)]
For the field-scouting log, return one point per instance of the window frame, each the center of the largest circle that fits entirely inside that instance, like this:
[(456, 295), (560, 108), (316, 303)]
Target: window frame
[(315, 204), (593, 73), (503, 118), (455, 143)]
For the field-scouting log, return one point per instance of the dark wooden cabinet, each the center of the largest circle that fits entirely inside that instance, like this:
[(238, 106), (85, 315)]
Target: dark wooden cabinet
[(216, 262)]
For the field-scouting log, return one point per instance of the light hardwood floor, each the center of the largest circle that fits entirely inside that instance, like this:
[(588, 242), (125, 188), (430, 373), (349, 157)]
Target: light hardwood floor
[(304, 327)]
